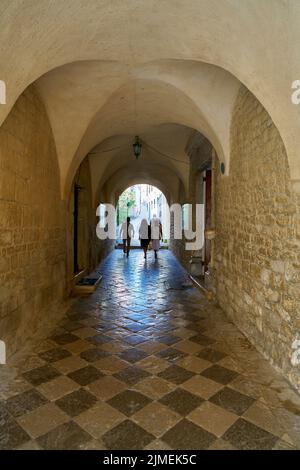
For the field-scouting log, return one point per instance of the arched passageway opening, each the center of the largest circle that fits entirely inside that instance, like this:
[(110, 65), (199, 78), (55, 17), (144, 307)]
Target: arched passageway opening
[(142, 202)]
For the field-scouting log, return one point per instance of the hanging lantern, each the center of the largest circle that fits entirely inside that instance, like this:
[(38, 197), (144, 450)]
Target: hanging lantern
[(137, 147)]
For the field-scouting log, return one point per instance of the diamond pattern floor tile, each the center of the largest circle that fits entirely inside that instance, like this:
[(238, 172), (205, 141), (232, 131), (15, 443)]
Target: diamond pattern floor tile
[(144, 364)]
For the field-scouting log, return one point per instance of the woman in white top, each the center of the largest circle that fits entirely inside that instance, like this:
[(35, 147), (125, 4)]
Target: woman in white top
[(156, 234), (144, 235)]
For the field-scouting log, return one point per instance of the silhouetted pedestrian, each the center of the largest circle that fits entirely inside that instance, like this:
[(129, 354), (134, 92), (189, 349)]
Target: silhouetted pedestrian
[(145, 236), (126, 233), (156, 234)]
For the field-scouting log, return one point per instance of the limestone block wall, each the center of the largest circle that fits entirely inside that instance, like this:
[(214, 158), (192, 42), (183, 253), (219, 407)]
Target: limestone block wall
[(178, 249), (178, 246), (91, 250), (86, 257), (257, 248), (32, 224)]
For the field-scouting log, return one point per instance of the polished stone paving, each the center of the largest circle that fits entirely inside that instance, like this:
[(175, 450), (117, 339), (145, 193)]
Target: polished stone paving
[(146, 362)]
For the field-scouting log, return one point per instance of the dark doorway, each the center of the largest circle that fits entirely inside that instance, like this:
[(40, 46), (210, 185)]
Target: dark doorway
[(75, 227), (208, 215)]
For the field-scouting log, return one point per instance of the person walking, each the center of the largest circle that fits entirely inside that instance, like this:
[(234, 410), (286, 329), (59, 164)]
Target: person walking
[(126, 233), (145, 236), (156, 234)]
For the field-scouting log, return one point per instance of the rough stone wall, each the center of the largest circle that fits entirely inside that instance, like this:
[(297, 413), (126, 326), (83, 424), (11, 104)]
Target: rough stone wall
[(32, 224), (178, 247), (86, 257), (91, 250), (257, 255), (200, 153), (102, 248)]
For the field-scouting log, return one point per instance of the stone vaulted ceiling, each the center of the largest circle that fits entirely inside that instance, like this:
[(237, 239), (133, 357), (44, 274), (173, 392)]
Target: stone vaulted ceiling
[(108, 71)]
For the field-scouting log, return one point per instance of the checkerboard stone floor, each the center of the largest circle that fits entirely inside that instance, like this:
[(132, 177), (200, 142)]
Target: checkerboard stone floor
[(146, 363)]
